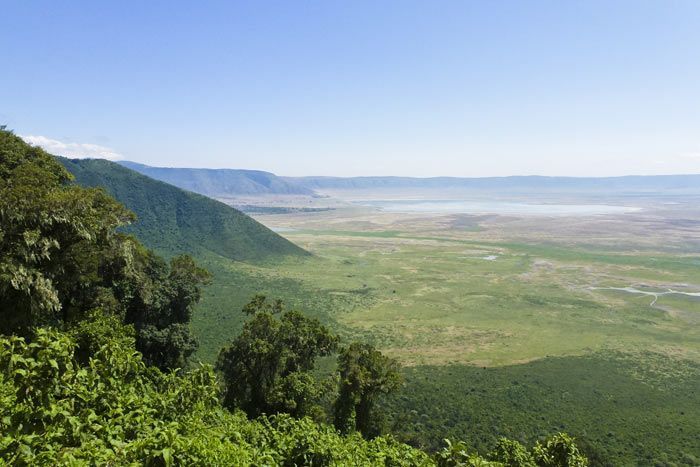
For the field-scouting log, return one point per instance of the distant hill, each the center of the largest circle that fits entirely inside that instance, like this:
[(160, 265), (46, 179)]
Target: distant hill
[(173, 220), (531, 184), (221, 182)]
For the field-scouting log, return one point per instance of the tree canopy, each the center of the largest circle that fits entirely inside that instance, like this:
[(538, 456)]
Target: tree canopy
[(365, 374), (62, 255), (267, 368), (112, 409)]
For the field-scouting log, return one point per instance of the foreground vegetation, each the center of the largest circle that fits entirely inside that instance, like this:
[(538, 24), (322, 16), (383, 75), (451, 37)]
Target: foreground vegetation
[(114, 410)]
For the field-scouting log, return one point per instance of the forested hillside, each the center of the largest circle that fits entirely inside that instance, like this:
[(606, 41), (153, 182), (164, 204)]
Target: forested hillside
[(172, 220)]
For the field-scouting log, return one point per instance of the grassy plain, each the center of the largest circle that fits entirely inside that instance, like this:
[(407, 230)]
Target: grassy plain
[(497, 321), (438, 299)]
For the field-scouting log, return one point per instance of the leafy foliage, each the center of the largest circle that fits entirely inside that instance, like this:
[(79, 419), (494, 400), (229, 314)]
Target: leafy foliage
[(162, 309), (52, 237), (558, 450), (267, 368), (61, 256), (513, 454), (458, 455), (115, 410), (365, 374)]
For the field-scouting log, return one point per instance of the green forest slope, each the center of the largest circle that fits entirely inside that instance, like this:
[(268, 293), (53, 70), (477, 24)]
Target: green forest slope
[(172, 220)]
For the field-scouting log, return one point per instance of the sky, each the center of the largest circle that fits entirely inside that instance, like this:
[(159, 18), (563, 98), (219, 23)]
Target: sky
[(413, 88)]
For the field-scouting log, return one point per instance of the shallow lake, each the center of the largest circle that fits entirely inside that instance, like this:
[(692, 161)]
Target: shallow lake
[(493, 207)]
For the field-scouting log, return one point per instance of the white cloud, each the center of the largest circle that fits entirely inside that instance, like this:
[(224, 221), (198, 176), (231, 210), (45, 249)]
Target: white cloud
[(73, 150)]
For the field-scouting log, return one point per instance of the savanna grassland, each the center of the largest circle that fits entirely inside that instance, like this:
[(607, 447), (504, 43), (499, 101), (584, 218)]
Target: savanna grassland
[(503, 323)]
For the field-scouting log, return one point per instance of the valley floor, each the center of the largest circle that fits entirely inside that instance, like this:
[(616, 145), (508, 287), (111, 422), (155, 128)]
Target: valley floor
[(523, 298)]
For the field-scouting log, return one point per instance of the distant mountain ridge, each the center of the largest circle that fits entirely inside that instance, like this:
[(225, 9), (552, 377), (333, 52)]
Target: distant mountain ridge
[(219, 183), (631, 183), (223, 183), (172, 220)]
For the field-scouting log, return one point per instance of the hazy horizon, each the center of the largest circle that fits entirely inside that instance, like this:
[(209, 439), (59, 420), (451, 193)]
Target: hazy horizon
[(192, 167), (466, 89)]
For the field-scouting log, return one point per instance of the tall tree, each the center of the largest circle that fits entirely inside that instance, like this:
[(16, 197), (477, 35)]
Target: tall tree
[(159, 300), (365, 374), (267, 368), (61, 256), (51, 238)]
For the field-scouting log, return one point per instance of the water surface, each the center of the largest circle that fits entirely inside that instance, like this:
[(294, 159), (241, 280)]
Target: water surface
[(493, 207)]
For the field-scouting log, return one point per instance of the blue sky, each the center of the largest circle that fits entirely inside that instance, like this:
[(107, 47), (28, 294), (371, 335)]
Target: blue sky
[(421, 88)]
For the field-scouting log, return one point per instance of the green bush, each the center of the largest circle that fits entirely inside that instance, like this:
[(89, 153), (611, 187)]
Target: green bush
[(116, 410)]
